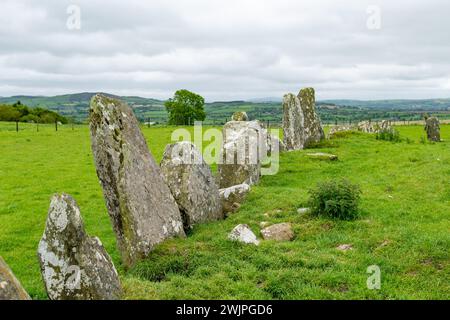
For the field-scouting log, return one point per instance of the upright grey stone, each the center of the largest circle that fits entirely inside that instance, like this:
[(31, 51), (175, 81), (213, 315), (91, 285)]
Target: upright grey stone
[(313, 131), (432, 128), (367, 127), (10, 287), (74, 266), (244, 147), (192, 184), (385, 126), (142, 209), (293, 122)]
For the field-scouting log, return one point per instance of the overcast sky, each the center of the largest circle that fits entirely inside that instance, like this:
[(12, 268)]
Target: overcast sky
[(227, 49)]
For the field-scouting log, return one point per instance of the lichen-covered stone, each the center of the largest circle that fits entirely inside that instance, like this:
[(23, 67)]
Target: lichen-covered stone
[(10, 287), (244, 234), (74, 266), (141, 207), (433, 130), (240, 116), (232, 197), (312, 128), (293, 122), (192, 184), (278, 232), (244, 147)]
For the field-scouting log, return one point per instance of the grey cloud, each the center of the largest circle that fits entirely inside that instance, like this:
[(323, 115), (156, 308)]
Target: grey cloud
[(227, 49)]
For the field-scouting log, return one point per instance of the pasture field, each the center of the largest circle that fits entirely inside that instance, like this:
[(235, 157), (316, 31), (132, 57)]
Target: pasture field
[(404, 226)]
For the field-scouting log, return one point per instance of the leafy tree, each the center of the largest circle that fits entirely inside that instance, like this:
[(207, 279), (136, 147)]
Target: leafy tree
[(20, 112), (185, 108), (9, 113)]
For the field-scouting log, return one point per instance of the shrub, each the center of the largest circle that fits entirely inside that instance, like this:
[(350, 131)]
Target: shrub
[(389, 135), (335, 199)]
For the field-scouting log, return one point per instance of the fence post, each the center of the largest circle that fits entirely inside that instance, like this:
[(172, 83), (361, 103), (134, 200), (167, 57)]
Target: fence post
[(17, 126), (37, 126), (56, 125)]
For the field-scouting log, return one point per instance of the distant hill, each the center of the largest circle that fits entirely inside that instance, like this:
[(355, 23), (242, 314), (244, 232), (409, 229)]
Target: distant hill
[(76, 106)]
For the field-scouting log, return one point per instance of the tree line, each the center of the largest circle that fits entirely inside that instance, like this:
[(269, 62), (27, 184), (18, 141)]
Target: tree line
[(19, 112)]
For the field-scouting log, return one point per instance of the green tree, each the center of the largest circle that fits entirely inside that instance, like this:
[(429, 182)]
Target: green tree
[(9, 113), (185, 108)]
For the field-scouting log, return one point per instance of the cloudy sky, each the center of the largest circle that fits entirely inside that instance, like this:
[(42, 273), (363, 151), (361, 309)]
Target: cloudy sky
[(227, 49)]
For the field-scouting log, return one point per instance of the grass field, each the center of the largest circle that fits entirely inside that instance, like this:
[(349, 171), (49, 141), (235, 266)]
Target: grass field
[(404, 227)]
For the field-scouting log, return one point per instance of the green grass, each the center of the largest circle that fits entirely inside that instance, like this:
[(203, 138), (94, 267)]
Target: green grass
[(404, 227)]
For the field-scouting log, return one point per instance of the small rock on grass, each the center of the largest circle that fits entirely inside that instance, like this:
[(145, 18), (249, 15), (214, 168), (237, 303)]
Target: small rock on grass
[(322, 156), (244, 234), (303, 210), (344, 247), (278, 232)]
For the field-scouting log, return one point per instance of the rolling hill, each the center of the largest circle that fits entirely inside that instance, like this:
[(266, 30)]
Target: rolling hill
[(75, 107)]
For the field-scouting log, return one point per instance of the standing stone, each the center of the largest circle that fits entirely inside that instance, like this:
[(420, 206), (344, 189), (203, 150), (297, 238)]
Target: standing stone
[(385, 126), (192, 184), (232, 197), (141, 207), (243, 149), (293, 121), (240, 116), (433, 130), (366, 127), (10, 287), (313, 131), (74, 266)]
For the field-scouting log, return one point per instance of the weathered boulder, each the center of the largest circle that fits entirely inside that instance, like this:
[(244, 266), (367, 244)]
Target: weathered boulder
[(243, 149), (340, 128), (293, 122), (240, 116), (433, 130), (278, 232), (74, 266), (10, 287), (313, 131), (141, 207), (322, 156), (232, 197), (244, 234), (192, 184)]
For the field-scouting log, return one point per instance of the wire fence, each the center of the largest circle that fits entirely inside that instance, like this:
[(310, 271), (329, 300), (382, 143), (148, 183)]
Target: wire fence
[(55, 127)]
